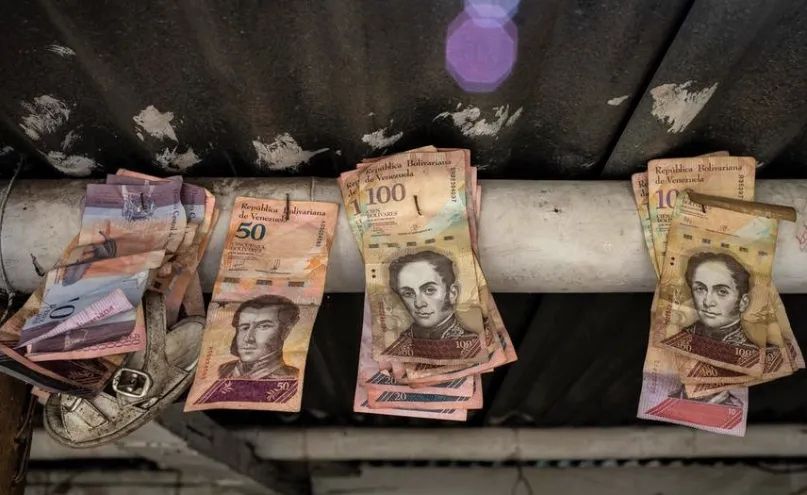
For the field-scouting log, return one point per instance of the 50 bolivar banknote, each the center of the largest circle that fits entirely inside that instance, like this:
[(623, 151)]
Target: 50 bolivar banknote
[(265, 300)]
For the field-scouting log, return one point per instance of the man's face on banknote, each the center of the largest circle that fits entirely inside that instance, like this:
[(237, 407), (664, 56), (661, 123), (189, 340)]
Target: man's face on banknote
[(428, 298), (259, 332), (718, 299)]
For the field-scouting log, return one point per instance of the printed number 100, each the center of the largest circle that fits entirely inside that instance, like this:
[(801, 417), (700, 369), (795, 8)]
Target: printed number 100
[(383, 194), (671, 196)]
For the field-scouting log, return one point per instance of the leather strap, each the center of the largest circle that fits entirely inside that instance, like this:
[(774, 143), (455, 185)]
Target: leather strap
[(83, 410)]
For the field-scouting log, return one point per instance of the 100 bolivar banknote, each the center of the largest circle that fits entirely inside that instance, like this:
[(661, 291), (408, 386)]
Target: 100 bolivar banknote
[(264, 304), (664, 397), (714, 295), (419, 266)]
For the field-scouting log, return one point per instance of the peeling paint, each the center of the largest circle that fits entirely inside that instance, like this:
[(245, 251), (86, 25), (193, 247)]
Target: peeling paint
[(676, 106), (172, 161), (62, 51), (282, 154), (380, 140), (5, 150), (69, 140), (72, 165), (155, 123), (470, 122), (615, 102), (514, 117), (45, 115)]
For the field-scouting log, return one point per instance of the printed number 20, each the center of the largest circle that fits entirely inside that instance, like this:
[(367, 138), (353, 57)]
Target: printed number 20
[(257, 232), (672, 195)]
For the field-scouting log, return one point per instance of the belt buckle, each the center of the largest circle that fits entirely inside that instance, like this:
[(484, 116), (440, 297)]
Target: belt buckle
[(71, 403), (131, 383)]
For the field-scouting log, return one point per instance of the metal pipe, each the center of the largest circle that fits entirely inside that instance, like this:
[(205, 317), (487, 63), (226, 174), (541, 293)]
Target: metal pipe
[(519, 444), (463, 444), (535, 236)]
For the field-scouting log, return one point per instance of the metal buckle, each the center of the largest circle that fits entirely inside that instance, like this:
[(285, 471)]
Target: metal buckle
[(131, 383), (71, 403)]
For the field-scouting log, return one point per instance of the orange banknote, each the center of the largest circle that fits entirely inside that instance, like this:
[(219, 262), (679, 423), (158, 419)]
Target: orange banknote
[(265, 300)]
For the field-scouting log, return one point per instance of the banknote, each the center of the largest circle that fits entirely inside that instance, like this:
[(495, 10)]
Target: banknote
[(119, 220), (663, 396), (373, 375), (110, 329), (165, 273), (361, 405), (83, 378), (100, 308), (189, 267), (133, 342), (640, 193), (728, 176), (265, 300), (497, 340), (714, 296), (194, 200), (201, 214), (415, 399), (421, 281), (499, 345), (72, 288), (713, 180)]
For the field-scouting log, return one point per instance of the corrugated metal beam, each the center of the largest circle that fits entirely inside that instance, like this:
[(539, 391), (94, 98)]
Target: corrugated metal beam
[(535, 236)]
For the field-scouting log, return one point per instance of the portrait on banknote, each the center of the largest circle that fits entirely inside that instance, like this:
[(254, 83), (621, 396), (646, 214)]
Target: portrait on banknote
[(426, 283), (720, 287), (261, 325)]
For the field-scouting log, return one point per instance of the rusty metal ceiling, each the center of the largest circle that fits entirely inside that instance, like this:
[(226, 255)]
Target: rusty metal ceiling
[(310, 87)]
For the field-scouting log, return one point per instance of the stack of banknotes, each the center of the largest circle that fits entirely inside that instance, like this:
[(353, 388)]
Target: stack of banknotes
[(137, 232), (431, 326), (718, 325)]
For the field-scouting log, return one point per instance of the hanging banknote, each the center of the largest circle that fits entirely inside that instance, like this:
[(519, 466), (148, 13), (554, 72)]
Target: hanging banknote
[(421, 280), (714, 301), (265, 300)]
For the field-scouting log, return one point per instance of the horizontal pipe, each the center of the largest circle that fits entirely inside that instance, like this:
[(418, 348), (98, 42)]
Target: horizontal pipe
[(522, 444), (535, 236), (475, 444)]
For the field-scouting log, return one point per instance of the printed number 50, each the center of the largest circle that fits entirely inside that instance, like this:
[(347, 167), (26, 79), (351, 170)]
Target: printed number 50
[(257, 232)]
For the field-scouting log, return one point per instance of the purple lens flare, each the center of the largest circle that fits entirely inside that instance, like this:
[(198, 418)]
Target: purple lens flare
[(502, 10), (481, 53)]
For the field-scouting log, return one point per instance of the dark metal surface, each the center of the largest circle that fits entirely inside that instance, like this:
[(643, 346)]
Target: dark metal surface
[(319, 84), (753, 55)]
